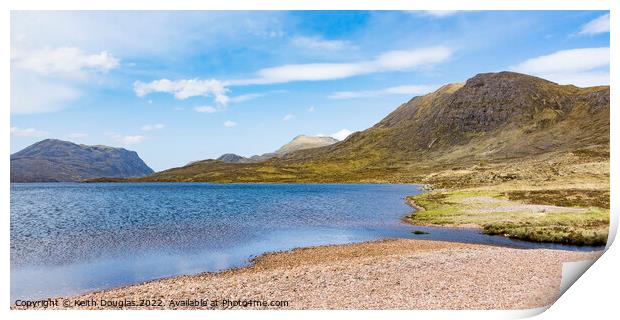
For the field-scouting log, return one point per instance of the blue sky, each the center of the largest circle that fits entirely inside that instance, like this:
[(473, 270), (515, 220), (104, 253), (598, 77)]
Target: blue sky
[(183, 86)]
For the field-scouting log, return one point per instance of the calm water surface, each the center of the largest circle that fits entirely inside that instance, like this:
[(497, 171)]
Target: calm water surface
[(69, 238)]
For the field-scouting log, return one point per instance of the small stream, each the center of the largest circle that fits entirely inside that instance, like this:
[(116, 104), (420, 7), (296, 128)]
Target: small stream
[(476, 236)]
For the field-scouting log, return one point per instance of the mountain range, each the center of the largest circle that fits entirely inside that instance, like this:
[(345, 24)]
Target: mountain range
[(491, 117), (300, 142), (503, 117), (54, 160)]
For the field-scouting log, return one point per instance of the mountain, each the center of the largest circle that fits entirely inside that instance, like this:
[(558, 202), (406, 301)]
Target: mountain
[(54, 160), (232, 158), (235, 158), (492, 117), (301, 142)]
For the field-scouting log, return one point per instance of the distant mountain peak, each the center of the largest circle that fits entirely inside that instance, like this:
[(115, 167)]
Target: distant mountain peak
[(54, 160), (302, 142), (232, 158)]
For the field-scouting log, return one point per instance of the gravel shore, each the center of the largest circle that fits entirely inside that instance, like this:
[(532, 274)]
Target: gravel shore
[(389, 274)]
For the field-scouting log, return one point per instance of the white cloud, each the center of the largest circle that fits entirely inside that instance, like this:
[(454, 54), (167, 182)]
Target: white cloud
[(581, 67), (341, 135), (598, 25), (245, 97), (140, 33), (45, 80), (28, 132), (68, 62), (401, 60), (310, 72), (311, 109), (229, 124), (91, 42), (580, 79), (152, 127), (205, 109), (317, 43), (129, 140), (126, 140), (31, 95), (404, 90), (288, 117), (441, 13), (183, 89), (573, 60)]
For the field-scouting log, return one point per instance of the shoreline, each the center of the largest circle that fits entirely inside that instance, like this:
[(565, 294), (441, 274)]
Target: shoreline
[(422, 185), (307, 272), (407, 218), (496, 214), (334, 276)]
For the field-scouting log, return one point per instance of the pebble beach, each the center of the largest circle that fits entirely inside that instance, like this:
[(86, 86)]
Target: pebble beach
[(387, 274)]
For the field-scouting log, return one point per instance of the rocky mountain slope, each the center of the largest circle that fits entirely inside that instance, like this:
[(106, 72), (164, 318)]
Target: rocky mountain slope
[(54, 160), (301, 142), (496, 115), (491, 118)]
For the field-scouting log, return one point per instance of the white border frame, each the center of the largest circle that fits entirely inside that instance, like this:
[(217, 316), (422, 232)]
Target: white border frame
[(593, 296)]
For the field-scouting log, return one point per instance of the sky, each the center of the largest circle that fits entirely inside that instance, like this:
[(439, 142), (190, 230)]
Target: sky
[(183, 86)]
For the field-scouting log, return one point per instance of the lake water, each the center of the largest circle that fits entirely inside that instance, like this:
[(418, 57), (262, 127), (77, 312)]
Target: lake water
[(69, 238)]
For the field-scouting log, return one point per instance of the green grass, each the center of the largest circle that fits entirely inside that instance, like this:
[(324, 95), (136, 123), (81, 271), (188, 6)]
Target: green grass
[(563, 197), (497, 214)]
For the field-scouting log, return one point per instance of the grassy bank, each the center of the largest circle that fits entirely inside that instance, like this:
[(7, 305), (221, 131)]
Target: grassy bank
[(560, 197), (539, 215)]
